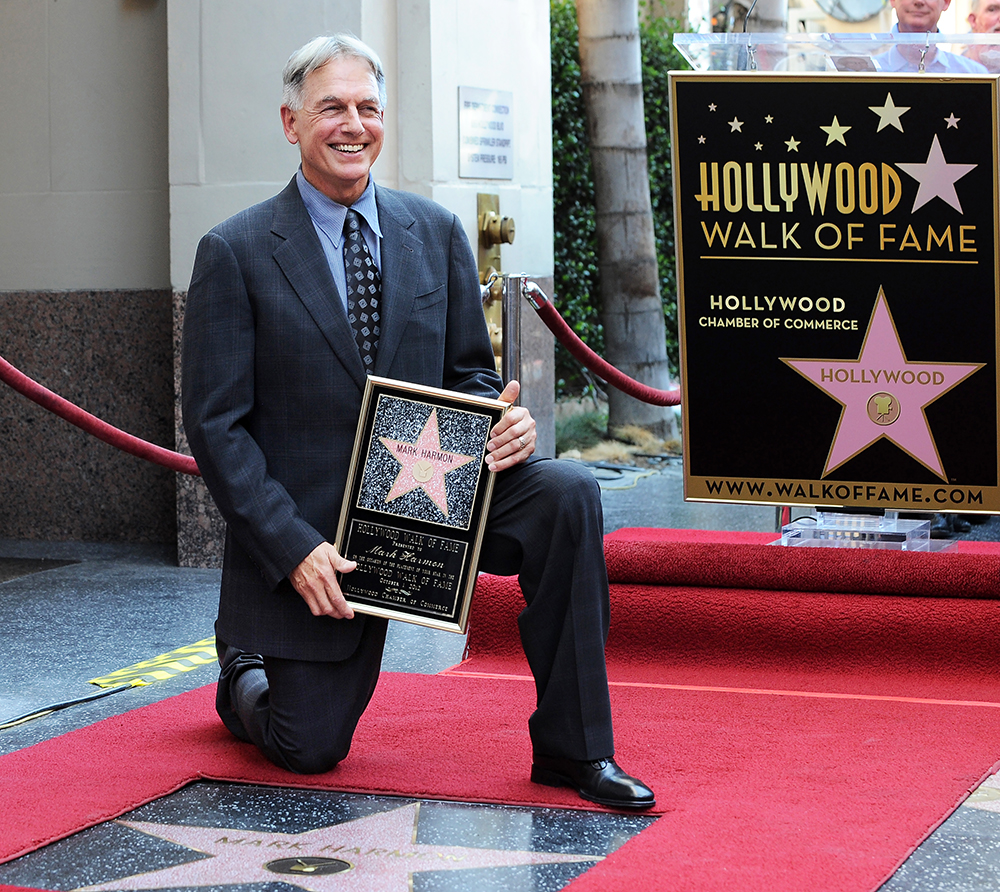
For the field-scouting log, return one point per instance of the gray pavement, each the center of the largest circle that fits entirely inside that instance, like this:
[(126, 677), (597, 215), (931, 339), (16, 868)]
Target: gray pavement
[(639, 497)]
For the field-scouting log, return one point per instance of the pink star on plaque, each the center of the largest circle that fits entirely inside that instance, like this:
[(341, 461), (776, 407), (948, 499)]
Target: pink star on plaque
[(373, 854), (883, 394), (937, 177), (424, 464)]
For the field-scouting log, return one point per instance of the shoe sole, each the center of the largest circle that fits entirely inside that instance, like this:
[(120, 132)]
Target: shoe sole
[(548, 778)]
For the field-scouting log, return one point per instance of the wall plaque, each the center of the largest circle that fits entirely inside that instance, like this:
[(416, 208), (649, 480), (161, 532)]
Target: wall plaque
[(485, 134)]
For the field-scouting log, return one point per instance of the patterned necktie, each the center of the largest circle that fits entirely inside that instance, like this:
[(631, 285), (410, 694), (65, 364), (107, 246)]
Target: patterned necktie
[(364, 288)]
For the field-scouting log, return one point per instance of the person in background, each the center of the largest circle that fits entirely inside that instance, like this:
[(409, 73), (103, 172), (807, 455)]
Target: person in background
[(921, 17), (984, 18)]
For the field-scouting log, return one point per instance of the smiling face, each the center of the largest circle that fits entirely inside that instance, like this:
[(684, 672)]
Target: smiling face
[(987, 18), (338, 129), (919, 15)]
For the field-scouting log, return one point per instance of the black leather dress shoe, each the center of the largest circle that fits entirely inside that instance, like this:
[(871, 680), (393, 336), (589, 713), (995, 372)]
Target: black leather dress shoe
[(941, 527), (600, 781)]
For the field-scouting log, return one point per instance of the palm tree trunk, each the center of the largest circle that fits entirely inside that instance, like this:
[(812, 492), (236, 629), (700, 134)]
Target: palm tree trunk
[(611, 69)]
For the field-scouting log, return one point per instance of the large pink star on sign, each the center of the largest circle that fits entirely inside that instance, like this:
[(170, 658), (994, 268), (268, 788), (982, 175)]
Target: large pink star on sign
[(378, 853), (424, 464), (883, 394), (937, 177)]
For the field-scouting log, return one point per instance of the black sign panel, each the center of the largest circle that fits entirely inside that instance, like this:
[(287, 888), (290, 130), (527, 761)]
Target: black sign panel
[(837, 274)]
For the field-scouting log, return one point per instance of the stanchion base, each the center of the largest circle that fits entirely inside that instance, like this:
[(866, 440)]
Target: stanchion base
[(835, 529)]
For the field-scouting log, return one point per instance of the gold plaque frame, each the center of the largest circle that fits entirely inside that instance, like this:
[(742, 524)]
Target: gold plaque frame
[(415, 507)]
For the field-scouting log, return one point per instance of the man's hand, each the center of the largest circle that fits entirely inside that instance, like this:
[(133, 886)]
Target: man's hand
[(315, 579), (514, 437)]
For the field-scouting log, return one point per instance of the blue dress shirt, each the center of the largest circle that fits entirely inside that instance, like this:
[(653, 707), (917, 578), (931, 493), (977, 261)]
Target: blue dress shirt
[(328, 219)]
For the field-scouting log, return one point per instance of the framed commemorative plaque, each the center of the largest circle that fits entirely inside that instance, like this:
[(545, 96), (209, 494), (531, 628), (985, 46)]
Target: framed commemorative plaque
[(838, 286), (418, 492)]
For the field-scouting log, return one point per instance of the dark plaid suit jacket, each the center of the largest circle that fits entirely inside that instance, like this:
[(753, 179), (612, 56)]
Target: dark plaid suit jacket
[(272, 385)]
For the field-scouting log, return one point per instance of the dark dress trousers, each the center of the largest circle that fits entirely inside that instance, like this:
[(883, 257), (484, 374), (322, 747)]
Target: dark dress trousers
[(272, 386)]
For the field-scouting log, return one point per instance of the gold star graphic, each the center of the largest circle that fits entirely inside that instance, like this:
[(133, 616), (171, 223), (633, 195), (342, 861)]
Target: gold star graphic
[(889, 113), (835, 132)]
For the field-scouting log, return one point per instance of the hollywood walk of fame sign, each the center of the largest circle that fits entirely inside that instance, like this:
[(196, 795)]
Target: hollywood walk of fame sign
[(838, 290), (416, 502)]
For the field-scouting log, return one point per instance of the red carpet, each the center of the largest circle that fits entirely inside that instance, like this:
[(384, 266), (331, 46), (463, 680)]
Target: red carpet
[(797, 739), (691, 608)]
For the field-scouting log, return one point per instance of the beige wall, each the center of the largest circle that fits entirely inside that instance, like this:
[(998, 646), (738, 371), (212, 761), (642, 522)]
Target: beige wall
[(505, 46), (227, 150), (111, 169), (83, 147), (85, 304)]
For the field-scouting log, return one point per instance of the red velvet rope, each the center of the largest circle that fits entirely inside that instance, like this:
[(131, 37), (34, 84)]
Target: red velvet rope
[(568, 338), (185, 464), (93, 425)]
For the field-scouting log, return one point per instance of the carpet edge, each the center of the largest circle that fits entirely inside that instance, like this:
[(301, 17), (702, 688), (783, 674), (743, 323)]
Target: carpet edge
[(932, 828)]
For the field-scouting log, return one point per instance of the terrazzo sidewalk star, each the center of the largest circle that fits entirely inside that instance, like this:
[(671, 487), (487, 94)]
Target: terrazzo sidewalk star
[(371, 854)]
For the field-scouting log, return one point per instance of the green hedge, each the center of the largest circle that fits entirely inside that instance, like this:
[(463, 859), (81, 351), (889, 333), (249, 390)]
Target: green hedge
[(577, 294)]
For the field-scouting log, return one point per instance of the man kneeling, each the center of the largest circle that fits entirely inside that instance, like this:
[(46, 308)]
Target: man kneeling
[(277, 344)]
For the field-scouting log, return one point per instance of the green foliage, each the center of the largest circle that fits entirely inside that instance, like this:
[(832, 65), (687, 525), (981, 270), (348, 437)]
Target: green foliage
[(581, 431), (659, 56), (577, 293)]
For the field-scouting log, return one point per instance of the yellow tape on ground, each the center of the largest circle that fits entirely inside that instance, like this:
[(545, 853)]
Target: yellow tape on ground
[(167, 665)]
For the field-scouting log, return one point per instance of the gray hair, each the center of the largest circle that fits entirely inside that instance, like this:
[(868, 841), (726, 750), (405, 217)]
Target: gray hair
[(316, 54)]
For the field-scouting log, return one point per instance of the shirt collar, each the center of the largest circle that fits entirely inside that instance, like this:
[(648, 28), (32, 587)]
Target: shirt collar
[(329, 216), (895, 30)]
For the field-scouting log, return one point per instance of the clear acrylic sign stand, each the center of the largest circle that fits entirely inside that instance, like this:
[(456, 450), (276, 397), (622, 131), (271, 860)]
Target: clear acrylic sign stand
[(888, 532)]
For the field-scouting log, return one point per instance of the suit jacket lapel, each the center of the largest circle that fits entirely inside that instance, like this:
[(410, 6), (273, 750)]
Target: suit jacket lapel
[(400, 254), (300, 257)]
